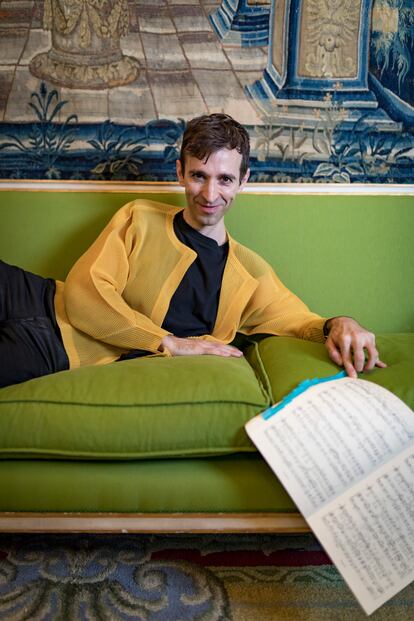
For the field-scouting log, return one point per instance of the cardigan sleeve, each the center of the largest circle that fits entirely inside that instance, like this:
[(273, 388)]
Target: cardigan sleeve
[(93, 291), (274, 309)]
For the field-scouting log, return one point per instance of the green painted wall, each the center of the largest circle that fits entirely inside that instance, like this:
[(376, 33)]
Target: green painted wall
[(349, 255)]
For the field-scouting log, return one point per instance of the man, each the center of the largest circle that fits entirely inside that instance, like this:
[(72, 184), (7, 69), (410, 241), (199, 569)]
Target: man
[(167, 281)]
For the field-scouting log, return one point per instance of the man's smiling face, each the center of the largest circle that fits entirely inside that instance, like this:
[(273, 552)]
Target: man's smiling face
[(210, 187)]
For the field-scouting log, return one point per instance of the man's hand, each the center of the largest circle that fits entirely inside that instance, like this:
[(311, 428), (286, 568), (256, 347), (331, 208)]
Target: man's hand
[(195, 347), (351, 346)]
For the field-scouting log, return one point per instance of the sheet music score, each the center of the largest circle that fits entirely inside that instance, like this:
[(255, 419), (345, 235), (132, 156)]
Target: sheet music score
[(344, 451)]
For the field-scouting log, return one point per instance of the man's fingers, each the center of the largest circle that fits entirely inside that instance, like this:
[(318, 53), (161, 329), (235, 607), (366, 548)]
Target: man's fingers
[(342, 355), (372, 357), (351, 346), (178, 346), (217, 349), (354, 359), (375, 363), (347, 360), (358, 357), (334, 353)]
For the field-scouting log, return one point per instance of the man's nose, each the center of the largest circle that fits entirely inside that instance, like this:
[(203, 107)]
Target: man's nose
[(210, 191)]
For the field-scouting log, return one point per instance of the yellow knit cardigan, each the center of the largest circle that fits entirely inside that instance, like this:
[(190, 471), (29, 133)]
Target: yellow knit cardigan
[(117, 294)]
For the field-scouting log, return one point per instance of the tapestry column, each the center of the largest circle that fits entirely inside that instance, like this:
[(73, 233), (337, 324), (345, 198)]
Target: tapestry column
[(318, 51), (242, 22)]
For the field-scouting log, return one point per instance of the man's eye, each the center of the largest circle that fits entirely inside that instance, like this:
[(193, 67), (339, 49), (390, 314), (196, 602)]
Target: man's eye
[(226, 180)]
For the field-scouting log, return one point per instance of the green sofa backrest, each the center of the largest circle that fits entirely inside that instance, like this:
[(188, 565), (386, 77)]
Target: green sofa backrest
[(350, 255)]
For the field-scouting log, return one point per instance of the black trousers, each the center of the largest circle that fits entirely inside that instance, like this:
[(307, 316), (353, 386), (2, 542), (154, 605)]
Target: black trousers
[(30, 340)]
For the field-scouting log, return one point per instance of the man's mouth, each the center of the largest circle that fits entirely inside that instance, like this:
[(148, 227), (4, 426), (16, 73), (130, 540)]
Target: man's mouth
[(209, 208)]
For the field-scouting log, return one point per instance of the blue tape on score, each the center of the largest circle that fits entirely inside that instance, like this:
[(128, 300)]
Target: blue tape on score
[(300, 388)]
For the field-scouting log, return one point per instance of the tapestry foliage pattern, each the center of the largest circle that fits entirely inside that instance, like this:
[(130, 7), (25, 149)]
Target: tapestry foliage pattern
[(102, 89)]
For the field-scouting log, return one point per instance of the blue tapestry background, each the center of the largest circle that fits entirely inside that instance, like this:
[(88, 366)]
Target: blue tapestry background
[(101, 90)]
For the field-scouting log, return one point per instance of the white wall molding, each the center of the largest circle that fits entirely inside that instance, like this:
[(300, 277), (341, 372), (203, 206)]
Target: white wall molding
[(251, 188)]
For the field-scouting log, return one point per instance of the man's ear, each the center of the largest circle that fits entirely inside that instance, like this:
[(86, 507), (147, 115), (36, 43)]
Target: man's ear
[(180, 172), (245, 179)]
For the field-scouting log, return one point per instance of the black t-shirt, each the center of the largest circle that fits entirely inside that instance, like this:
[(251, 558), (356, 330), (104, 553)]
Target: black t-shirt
[(193, 307)]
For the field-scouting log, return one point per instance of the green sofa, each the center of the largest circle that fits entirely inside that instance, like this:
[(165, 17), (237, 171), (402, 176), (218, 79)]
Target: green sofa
[(158, 444)]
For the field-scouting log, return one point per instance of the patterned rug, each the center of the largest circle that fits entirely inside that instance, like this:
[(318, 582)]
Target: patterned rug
[(177, 578)]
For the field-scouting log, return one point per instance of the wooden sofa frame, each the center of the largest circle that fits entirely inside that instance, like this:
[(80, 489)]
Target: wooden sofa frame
[(22, 522)]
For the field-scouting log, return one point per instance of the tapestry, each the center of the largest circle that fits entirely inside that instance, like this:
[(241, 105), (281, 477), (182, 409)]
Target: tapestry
[(178, 578), (102, 89)]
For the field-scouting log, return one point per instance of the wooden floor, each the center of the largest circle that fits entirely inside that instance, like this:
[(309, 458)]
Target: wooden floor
[(153, 523)]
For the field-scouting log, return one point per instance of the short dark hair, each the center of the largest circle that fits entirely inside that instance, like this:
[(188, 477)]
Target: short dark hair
[(209, 133)]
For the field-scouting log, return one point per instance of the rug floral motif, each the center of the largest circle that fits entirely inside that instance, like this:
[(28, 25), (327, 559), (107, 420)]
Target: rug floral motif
[(177, 578), (102, 579)]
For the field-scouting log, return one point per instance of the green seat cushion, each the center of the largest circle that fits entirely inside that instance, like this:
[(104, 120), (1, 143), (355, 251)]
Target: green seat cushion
[(227, 483), (152, 407), (284, 362)]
